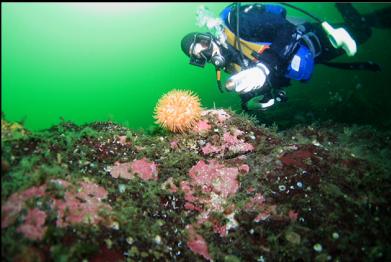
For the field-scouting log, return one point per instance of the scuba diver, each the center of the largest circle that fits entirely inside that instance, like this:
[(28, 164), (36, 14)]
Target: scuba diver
[(264, 50)]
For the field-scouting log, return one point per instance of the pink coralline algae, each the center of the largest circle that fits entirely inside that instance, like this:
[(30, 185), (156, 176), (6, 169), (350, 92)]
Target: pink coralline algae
[(216, 181), (215, 177), (220, 114), (145, 169), (219, 229), (202, 126), (174, 144), (187, 189), (190, 206), (33, 226), (236, 145), (89, 190), (16, 202), (293, 215), (257, 203), (244, 168), (197, 243), (80, 204), (209, 149), (230, 142), (267, 211)]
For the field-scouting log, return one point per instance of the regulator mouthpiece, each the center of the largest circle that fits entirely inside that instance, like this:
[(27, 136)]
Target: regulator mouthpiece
[(340, 38)]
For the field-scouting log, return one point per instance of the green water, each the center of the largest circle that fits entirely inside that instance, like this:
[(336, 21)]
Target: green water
[(87, 62)]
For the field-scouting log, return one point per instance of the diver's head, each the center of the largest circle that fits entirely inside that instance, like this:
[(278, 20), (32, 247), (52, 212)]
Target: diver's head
[(202, 48)]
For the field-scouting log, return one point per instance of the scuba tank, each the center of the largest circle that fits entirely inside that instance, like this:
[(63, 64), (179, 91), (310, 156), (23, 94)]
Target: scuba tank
[(309, 47), (302, 63)]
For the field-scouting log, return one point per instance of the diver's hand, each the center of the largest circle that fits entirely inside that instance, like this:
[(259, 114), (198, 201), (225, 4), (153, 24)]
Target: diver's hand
[(248, 80)]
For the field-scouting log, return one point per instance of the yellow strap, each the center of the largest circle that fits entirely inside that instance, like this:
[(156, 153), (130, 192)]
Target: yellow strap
[(247, 47)]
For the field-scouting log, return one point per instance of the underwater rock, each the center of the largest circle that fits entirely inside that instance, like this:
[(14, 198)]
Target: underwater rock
[(5, 166), (293, 215), (293, 237), (10, 131), (227, 189)]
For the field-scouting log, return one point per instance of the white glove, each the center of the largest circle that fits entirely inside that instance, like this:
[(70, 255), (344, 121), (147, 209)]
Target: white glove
[(249, 79)]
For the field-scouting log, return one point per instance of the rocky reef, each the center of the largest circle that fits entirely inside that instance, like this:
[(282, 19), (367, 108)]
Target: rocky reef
[(230, 189)]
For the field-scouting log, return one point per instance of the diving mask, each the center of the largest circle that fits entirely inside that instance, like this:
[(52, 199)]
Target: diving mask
[(201, 49)]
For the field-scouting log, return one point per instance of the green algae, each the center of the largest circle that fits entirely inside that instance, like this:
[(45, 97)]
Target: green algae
[(337, 187)]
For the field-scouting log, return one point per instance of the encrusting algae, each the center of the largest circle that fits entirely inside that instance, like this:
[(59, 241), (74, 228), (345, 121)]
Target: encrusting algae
[(178, 110), (228, 189)]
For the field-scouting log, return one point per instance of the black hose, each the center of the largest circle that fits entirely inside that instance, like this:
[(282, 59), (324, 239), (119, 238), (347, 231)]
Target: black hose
[(303, 11), (367, 65), (238, 37)]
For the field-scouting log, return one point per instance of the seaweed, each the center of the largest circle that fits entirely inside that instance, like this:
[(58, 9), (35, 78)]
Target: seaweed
[(314, 192)]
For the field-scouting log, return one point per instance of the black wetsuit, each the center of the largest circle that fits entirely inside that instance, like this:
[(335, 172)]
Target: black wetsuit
[(257, 24)]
